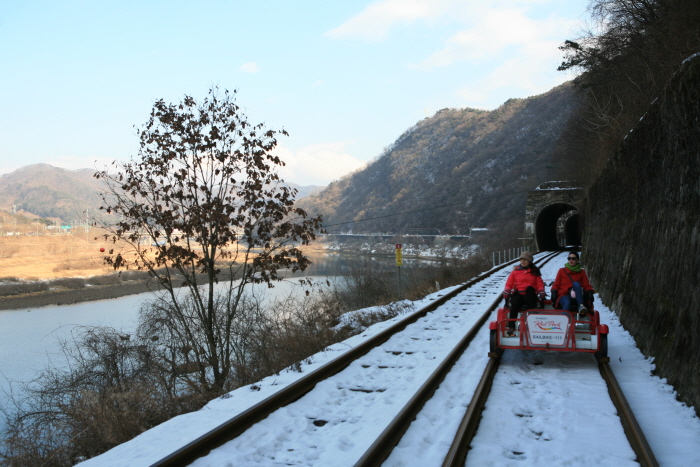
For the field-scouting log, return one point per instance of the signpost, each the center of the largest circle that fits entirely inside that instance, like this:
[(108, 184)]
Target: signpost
[(399, 262)]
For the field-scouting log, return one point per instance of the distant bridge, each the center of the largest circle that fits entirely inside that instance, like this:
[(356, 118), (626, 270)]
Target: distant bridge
[(397, 237)]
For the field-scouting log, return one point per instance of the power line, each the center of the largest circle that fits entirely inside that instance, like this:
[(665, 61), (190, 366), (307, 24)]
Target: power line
[(423, 209)]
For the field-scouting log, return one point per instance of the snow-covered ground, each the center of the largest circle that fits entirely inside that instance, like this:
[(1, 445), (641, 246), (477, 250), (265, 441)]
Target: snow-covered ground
[(544, 409), (418, 250)]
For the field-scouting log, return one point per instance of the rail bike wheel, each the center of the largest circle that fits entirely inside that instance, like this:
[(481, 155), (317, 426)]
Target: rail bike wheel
[(602, 352), (494, 350)]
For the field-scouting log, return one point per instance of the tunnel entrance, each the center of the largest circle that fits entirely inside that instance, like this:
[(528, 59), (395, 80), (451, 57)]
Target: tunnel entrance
[(552, 220), (557, 225), (572, 230)]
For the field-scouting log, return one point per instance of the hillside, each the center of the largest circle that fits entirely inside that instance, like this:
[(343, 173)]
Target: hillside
[(460, 169), (50, 192), (42, 190)]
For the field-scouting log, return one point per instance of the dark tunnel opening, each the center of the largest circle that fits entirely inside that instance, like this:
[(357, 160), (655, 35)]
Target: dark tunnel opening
[(548, 238), (572, 230)]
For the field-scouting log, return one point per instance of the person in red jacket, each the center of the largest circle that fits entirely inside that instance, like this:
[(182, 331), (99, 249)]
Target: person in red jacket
[(523, 286), (572, 288)]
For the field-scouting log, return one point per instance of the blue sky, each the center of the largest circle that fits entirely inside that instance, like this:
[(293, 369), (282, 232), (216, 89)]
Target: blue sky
[(344, 78)]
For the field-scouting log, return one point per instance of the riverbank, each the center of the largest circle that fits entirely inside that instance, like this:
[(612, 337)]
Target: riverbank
[(67, 296), (32, 287), (26, 292)]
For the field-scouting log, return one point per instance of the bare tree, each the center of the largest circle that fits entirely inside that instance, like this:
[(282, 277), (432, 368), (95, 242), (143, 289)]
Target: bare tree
[(626, 59), (203, 198)]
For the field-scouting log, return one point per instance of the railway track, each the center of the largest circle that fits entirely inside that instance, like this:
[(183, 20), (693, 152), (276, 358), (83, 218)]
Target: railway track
[(458, 452), (242, 422), (387, 352)]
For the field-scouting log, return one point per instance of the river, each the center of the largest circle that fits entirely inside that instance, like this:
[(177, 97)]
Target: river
[(30, 339)]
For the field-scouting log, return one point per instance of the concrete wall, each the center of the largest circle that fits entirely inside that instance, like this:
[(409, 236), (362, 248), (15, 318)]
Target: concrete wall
[(642, 233)]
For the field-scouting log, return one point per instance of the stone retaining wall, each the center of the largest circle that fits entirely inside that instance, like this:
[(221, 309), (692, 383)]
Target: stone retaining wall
[(642, 236)]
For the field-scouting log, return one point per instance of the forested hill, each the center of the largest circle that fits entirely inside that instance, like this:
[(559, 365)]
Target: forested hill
[(50, 192), (461, 169), (45, 191)]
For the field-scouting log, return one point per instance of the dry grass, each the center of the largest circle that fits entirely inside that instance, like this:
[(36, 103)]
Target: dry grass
[(46, 257), (52, 256)]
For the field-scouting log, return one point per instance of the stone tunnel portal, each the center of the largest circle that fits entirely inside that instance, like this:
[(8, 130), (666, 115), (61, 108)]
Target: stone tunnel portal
[(557, 225), (552, 220)]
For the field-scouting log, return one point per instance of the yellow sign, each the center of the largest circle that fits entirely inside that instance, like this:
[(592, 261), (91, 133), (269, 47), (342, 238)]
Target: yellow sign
[(399, 259)]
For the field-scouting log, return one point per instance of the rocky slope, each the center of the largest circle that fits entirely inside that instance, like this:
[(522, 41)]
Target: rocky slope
[(460, 169)]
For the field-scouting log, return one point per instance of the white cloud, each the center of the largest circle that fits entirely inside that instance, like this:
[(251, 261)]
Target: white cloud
[(250, 67), (318, 164), (524, 74), (376, 21), (499, 32), (505, 47)]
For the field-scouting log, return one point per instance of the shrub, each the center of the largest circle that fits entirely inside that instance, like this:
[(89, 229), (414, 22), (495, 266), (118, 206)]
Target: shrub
[(116, 386), (108, 279), (69, 283), (23, 287), (8, 251)]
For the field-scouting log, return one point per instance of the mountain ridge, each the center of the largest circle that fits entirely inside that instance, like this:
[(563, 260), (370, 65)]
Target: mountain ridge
[(459, 169), (50, 192)]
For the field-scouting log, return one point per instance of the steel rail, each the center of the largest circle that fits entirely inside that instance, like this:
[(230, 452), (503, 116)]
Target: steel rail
[(241, 422), (645, 456), (380, 450), (385, 443), (457, 454)]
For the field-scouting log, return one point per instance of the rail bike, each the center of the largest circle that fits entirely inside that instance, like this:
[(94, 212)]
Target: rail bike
[(550, 329)]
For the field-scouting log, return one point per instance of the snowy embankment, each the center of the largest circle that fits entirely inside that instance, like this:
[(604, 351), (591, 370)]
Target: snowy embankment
[(409, 250), (545, 408)]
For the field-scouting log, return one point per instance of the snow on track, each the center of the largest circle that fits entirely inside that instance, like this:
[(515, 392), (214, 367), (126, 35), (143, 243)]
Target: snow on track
[(550, 408), (430, 436), (671, 428), (336, 422)]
